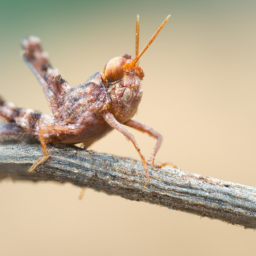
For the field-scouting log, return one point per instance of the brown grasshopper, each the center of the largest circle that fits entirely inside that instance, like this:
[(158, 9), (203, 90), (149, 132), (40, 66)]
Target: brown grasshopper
[(84, 114)]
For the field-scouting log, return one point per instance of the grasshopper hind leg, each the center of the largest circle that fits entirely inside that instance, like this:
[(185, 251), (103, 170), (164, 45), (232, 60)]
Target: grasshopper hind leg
[(53, 85)]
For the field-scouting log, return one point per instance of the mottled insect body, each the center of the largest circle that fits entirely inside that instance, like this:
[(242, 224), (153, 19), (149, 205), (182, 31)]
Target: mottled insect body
[(84, 114)]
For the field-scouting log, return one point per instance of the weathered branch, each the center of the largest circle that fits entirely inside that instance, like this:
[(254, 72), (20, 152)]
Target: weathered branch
[(193, 193)]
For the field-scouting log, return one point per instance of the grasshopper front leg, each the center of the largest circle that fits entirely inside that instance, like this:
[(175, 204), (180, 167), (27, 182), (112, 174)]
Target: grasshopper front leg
[(110, 119), (143, 128)]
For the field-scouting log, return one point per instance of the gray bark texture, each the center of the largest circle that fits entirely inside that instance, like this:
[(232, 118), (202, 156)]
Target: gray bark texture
[(169, 187)]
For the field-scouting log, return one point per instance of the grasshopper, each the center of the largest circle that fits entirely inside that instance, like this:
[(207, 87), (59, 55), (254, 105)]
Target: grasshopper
[(107, 100)]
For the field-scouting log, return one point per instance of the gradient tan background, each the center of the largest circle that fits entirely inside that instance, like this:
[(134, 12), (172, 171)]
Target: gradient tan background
[(199, 92)]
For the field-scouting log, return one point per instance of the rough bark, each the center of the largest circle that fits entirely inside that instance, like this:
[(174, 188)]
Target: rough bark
[(169, 187)]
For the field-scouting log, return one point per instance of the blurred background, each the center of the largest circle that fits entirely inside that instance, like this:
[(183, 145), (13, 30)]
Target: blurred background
[(199, 93)]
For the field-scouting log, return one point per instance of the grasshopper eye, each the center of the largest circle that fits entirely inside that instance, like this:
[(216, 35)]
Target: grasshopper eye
[(113, 70)]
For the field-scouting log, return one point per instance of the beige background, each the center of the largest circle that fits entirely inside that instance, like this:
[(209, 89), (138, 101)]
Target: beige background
[(199, 93)]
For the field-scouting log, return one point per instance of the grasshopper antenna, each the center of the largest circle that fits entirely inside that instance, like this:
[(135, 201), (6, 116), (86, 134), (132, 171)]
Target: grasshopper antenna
[(137, 57), (137, 37), (152, 39)]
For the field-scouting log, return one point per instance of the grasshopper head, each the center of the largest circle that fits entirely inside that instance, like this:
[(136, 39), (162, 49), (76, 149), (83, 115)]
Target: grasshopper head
[(117, 67)]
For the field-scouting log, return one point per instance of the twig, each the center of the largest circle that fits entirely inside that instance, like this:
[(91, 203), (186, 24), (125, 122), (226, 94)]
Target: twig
[(193, 193)]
